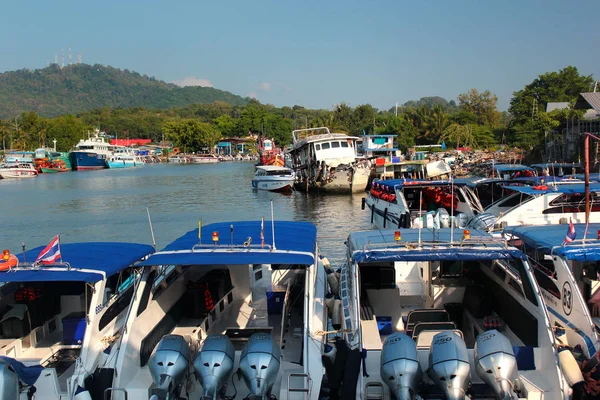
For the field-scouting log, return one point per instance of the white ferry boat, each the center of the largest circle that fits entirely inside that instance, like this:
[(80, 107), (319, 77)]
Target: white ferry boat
[(18, 170), (91, 153), (328, 162)]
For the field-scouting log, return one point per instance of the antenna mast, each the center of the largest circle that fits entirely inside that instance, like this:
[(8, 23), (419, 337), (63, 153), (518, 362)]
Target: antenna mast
[(79, 58), (56, 58)]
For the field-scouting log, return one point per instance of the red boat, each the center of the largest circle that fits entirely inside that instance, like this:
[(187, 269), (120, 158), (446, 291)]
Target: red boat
[(269, 153)]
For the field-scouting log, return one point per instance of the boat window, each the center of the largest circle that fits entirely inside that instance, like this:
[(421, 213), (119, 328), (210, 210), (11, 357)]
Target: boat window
[(572, 202), (515, 285), (499, 272), (146, 293), (546, 282), (317, 146), (514, 200), (279, 172), (335, 144), (325, 146), (378, 275), (344, 144), (451, 269), (116, 308)]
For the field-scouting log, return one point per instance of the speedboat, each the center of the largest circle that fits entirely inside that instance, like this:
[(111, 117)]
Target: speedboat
[(568, 277), (328, 162), (234, 309), (58, 319), (273, 178), (402, 203), (18, 170), (545, 204), (445, 314)]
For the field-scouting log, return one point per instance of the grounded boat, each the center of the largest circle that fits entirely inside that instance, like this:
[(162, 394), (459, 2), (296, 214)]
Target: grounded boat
[(273, 178), (58, 319), (401, 203), (327, 162), (269, 154), (91, 153), (123, 157), (539, 205), (18, 170), (204, 159), (568, 277), (236, 310), (435, 315)]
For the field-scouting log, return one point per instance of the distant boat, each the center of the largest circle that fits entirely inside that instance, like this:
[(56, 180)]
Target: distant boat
[(327, 162), (16, 157), (56, 166), (269, 154), (124, 158), (177, 159), (91, 153), (20, 170), (205, 159), (273, 178)]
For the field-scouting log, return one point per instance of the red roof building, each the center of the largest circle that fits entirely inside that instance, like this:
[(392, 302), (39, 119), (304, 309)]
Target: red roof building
[(130, 142)]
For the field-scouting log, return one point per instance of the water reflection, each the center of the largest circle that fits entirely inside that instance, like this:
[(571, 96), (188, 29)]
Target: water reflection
[(110, 205)]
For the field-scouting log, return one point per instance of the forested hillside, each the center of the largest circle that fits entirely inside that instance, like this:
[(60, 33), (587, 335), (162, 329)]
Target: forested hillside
[(75, 88)]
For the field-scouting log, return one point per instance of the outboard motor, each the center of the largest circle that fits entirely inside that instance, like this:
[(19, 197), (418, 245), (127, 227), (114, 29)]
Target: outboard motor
[(400, 368), (214, 364), (449, 365), (259, 363), (495, 363), (9, 382), (169, 365)]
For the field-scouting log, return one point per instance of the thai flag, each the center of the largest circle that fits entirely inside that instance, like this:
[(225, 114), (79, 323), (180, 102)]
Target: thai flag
[(51, 253), (571, 234)]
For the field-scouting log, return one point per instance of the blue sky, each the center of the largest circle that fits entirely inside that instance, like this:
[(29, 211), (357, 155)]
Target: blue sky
[(314, 53)]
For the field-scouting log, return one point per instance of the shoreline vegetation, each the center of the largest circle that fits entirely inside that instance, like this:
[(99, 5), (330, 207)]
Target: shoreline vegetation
[(471, 120)]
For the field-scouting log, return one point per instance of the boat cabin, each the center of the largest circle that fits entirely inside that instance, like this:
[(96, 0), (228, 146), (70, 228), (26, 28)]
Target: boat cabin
[(420, 305), (568, 275), (540, 205), (511, 171), (558, 169), (60, 316), (229, 291)]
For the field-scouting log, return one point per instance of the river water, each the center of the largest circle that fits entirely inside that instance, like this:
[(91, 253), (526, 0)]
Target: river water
[(110, 205)]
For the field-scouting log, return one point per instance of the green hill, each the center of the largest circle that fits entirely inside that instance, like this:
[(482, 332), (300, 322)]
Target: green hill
[(54, 91)]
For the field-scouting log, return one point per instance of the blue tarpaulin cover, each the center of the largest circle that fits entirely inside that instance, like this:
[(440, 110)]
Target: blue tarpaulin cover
[(28, 375), (564, 188), (88, 262), (379, 245), (546, 238), (295, 244), (511, 168)]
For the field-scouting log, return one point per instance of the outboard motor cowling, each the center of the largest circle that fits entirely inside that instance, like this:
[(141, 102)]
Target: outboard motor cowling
[(259, 363), (213, 364), (169, 364), (449, 365), (400, 368), (9, 382), (495, 363)]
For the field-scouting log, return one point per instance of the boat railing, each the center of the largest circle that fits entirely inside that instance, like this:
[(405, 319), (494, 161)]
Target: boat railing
[(300, 134), (488, 242), (235, 247)]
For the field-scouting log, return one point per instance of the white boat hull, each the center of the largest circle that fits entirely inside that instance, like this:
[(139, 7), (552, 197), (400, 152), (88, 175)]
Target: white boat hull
[(12, 173), (273, 185)]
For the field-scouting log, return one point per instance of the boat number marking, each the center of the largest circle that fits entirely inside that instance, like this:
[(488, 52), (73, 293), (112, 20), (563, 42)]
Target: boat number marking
[(567, 301)]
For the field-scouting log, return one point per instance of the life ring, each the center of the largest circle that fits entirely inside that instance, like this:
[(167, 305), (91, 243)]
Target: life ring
[(8, 261), (540, 187)]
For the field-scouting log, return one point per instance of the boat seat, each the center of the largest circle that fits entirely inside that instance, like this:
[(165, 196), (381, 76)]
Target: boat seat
[(431, 326), (366, 309), (425, 315)]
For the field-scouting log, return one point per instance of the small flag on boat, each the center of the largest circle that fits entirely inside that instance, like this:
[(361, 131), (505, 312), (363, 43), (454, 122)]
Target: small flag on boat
[(262, 232), (51, 253), (571, 234)]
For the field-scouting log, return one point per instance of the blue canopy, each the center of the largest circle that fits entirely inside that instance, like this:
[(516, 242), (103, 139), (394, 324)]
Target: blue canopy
[(380, 245), (557, 165), (295, 244), (512, 167), (88, 262), (391, 183), (564, 188), (550, 239)]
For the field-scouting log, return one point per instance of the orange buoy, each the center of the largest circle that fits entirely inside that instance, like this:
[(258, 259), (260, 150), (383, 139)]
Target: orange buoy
[(8, 261)]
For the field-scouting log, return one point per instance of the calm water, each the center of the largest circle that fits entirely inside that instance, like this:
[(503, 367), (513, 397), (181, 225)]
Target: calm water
[(110, 205)]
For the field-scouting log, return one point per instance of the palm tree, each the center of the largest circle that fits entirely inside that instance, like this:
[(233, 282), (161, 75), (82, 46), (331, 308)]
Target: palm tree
[(458, 135), (439, 121)]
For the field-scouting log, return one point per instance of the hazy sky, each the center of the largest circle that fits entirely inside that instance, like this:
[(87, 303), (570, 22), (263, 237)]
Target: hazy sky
[(314, 53)]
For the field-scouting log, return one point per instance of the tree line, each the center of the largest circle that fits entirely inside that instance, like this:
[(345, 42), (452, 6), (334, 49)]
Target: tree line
[(472, 120)]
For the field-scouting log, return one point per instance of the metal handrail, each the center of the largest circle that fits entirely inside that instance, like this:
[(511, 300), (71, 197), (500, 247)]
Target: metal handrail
[(114, 389)]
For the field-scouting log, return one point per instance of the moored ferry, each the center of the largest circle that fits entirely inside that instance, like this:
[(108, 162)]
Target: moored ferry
[(91, 153), (328, 162)]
